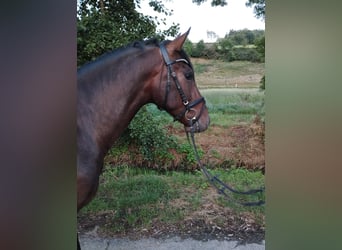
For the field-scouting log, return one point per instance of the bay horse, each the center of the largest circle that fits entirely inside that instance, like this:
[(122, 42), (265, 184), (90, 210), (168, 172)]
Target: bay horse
[(115, 86)]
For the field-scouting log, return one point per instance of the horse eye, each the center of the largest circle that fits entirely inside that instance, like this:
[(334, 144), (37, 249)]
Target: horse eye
[(189, 75)]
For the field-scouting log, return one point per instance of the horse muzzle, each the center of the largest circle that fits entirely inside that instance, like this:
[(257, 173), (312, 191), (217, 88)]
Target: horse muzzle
[(196, 123), (197, 126), (194, 120)]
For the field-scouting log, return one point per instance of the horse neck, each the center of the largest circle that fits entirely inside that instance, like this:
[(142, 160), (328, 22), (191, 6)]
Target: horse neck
[(115, 96)]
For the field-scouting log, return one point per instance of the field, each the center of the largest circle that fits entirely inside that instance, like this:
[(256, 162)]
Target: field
[(138, 201), (218, 74)]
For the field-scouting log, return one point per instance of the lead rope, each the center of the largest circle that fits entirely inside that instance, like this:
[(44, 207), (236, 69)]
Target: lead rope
[(222, 187)]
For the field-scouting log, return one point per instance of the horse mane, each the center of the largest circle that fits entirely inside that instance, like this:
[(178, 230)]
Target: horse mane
[(124, 49), (142, 44), (118, 52)]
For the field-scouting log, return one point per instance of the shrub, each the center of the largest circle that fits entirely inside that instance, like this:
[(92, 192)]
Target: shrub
[(146, 132), (188, 47), (244, 54), (197, 51), (147, 143), (262, 83), (260, 47)]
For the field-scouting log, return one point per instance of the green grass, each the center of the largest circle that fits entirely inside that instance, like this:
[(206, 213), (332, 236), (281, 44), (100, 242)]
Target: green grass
[(234, 100), (227, 107), (136, 197), (242, 180)]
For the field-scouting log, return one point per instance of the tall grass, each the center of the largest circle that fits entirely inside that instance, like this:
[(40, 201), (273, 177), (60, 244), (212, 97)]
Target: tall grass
[(232, 106), (226, 106)]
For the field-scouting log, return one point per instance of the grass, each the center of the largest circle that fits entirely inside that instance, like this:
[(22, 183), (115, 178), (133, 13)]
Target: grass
[(226, 107), (229, 107), (220, 74), (242, 180), (137, 197)]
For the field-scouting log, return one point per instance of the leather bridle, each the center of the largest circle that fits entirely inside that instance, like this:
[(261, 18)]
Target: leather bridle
[(189, 112)]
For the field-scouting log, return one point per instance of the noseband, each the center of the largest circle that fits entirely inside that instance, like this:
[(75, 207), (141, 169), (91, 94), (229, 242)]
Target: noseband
[(189, 113)]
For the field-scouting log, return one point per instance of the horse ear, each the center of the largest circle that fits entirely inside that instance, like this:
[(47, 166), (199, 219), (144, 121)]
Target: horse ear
[(177, 44)]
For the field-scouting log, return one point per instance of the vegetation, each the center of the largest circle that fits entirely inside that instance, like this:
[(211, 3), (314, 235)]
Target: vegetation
[(146, 143), (103, 25), (240, 45), (142, 198), (258, 5)]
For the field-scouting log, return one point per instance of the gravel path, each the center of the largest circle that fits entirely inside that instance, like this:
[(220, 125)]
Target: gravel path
[(175, 243)]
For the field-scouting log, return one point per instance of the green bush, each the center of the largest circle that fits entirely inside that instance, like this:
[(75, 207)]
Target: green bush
[(198, 50), (244, 54), (260, 47), (262, 83), (147, 143), (147, 133), (188, 47), (189, 161)]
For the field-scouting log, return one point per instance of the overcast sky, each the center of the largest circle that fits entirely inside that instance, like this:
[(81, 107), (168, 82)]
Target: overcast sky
[(205, 18)]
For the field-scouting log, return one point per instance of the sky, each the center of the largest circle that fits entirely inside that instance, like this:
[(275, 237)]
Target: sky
[(203, 18)]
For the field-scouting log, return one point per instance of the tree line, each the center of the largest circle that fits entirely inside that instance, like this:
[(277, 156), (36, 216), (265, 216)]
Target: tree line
[(246, 45)]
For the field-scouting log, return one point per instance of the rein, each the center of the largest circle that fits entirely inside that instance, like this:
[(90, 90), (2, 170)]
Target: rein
[(222, 187)]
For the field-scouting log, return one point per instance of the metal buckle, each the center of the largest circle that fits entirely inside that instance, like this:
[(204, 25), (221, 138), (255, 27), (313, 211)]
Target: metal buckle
[(190, 114)]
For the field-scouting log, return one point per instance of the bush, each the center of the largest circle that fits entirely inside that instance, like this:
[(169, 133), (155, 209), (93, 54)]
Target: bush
[(198, 50), (188, 47), (146, 132), (147, 143), (260, 47), (244, 54), (262, 83)]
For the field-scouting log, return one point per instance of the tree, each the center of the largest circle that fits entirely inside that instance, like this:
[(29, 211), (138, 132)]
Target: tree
[(188, 47), (260, 46), (213, 2), (199, 49), (259, 8), (259, 5), (211, 34), (245, 36), (224, 49), (103, 25)]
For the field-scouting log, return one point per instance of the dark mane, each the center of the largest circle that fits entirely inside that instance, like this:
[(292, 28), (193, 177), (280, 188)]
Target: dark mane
[(118, 52), (144, 43)]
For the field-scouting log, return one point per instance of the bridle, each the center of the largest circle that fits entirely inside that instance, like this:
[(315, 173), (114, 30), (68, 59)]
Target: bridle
[(189, 112)]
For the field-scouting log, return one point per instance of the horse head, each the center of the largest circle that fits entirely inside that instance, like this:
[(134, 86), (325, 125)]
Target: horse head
[(179, 94)]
